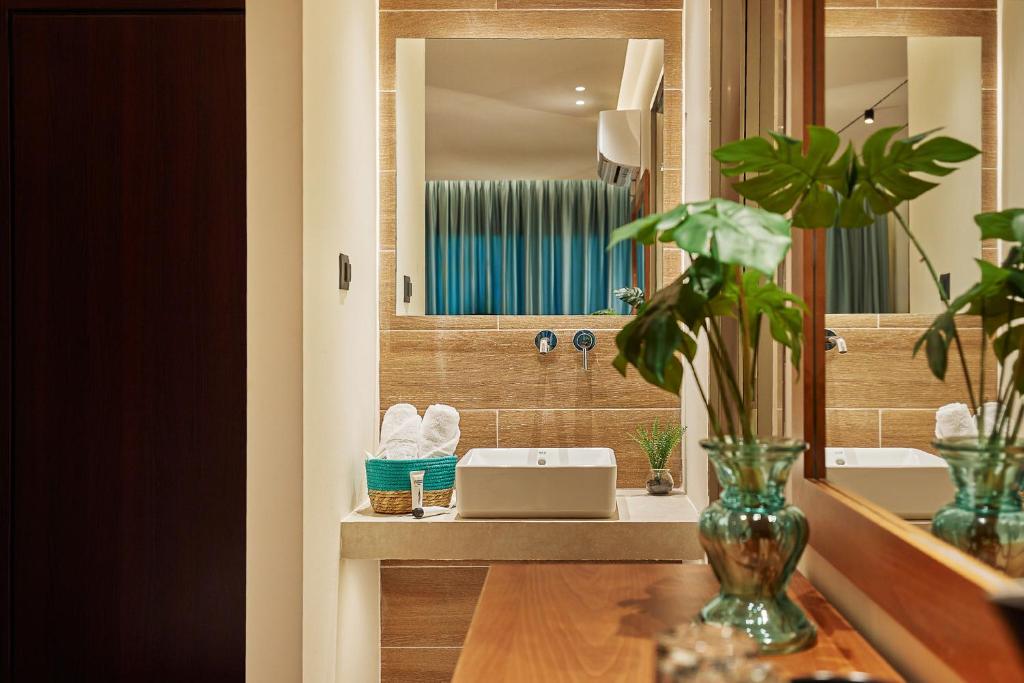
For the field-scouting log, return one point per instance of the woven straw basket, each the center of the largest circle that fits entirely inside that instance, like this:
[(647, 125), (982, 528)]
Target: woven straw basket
[(391, 492)]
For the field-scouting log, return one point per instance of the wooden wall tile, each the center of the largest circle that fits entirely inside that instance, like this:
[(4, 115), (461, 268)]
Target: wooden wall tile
[(387, 132), (989, 128), (418, 664), (502, 369), (921, 22), (594, 428), (881, 372), (479, 428), (840, 4), (852, 428), (673, 130), (671, 265), (664, 24), (989, 190), (391, 5), (921, 321), (842, 321), (939, 4), (908, 429), (388, 218), (590, 4), (428, 606), (565, 322), (672, 185)]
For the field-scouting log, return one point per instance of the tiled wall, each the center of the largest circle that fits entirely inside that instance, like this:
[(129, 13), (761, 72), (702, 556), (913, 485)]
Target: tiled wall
[(487, 366), (878, 394)]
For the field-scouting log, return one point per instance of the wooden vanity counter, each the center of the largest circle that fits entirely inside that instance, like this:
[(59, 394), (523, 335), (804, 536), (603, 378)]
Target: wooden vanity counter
[(596, 622)]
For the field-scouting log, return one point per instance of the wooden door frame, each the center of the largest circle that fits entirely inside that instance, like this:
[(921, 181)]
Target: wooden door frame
[(900, 567)]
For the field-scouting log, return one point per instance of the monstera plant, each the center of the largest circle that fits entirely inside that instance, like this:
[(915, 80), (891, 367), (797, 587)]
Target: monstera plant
[(735, 250)]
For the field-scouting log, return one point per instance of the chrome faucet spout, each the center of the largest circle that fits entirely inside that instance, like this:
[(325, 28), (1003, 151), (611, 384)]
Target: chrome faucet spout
[(834, 341)]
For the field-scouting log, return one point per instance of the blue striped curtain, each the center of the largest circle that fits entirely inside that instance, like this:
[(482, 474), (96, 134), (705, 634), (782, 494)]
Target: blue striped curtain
[(524, 247)]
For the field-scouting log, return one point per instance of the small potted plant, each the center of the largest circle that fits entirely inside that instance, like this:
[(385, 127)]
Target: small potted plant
[(658, 444)]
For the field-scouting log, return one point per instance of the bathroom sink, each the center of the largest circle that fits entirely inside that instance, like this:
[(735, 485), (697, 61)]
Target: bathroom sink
[(536, 482), (907, 481)]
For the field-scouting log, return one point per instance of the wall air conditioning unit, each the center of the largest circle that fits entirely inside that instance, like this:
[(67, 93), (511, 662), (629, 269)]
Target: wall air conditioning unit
[(618, 146)]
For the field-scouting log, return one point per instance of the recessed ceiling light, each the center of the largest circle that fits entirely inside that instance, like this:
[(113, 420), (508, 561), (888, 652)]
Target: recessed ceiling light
[(580, 88), (580, 103)]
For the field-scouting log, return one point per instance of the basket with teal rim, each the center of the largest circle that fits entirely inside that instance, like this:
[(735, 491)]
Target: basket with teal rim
[(390, 491)]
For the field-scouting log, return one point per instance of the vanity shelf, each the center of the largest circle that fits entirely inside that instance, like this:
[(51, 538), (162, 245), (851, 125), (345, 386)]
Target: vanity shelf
[(644, 527)]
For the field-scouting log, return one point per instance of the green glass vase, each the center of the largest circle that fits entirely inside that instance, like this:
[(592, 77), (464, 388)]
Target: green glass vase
[(753, 540), (985, 519)]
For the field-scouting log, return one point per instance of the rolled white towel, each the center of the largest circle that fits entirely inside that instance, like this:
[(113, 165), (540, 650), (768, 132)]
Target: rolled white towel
[(954, 419), (399, 433), (439, 431)]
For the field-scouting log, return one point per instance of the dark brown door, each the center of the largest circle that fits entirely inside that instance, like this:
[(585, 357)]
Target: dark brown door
[(126, 296)]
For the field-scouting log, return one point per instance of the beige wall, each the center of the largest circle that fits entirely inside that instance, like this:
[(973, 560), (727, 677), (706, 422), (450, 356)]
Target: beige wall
[(274, 346), (340, 605), (945, 93), (410, 140)]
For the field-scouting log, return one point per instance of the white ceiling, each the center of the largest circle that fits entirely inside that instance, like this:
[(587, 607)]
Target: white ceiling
[(499, 108), (859, 72)]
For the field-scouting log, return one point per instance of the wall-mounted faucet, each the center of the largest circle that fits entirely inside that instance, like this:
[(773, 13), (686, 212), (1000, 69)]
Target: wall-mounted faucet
[(545, 341), (834, 341), (584, 341)]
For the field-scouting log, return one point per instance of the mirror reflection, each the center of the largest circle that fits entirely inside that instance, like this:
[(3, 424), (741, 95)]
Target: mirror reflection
[(919, 84), (516, 160), (923, 412)]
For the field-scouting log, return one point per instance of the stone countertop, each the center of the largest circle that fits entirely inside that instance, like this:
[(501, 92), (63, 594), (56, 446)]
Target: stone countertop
[(644, 527)]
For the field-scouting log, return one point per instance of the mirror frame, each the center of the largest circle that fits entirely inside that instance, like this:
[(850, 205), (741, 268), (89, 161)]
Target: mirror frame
[(906, 567)]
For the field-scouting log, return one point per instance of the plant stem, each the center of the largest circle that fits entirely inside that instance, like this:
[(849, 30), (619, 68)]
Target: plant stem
[(725, 366), (945, 300), (704, 398), (717, 365), (748, 399)]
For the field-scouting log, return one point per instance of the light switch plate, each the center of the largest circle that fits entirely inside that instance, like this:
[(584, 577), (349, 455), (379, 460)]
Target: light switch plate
[(344, 271)]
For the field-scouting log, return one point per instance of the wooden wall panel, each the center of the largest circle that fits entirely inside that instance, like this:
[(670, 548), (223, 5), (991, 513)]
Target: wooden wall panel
[(878, 394), (428, 606), (487, 366)]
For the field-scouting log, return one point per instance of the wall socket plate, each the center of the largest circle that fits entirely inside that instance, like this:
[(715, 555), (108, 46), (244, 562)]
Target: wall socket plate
[(344, 271)]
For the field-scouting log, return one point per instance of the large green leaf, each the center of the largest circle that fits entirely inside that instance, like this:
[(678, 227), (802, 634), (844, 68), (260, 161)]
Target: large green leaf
[(1000, 225), (727, 231), (883, 174), (782, 177), (783, 310)]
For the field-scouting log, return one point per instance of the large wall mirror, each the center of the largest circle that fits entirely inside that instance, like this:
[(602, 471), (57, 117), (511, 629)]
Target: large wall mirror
[(516, 159), (919, 70)]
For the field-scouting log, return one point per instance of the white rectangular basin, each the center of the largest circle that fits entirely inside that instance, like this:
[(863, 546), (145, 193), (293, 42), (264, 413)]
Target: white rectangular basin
[(536, 483), (907, 481)]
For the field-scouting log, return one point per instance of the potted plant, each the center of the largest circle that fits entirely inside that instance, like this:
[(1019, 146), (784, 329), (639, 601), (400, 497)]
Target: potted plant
[(752, 536), (658, 444)]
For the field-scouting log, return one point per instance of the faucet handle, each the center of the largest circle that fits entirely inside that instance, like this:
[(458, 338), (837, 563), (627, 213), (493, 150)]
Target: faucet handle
[(584, 341)]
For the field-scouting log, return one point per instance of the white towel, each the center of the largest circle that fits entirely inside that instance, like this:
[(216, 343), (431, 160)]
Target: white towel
[(399, 433), (439, 431), (954, 419)]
